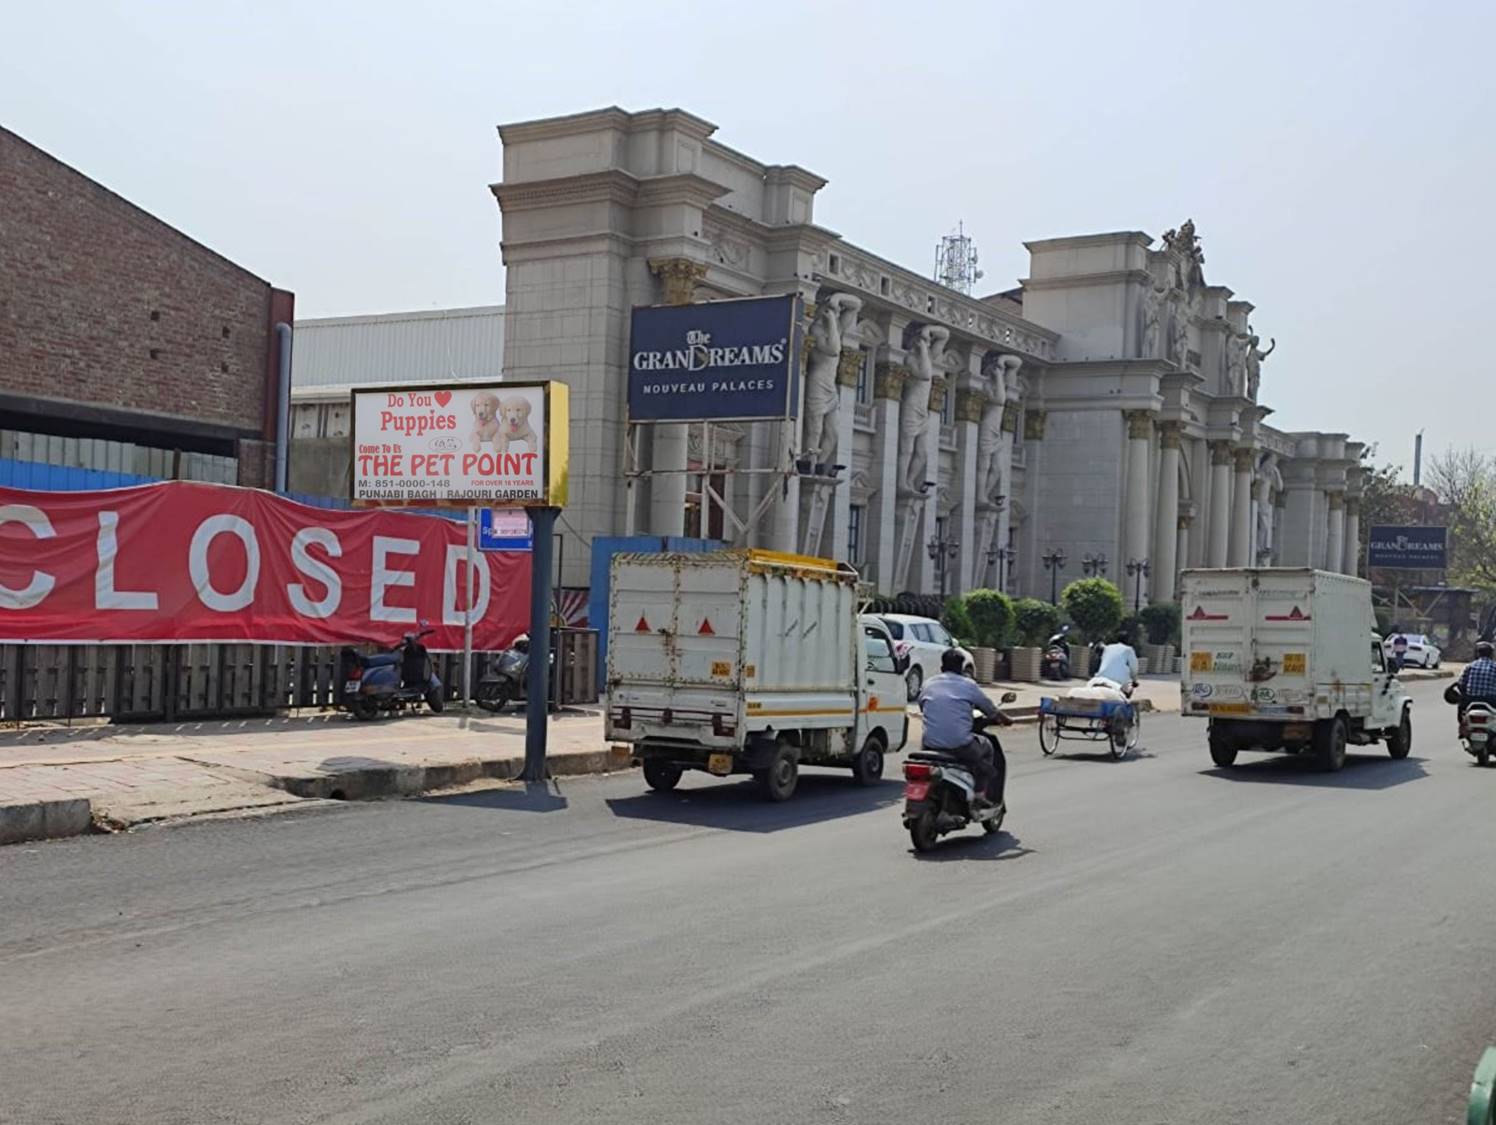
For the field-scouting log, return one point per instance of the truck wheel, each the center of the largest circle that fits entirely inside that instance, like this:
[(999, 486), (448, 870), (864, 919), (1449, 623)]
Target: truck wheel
[(867, 767), (1329, 743), (1400, 741), (661, 776), (1222, 753), (777, 783), (922, 832)]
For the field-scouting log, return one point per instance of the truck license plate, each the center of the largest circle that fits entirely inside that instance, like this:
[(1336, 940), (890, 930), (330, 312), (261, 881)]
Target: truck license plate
[(351, 686), (1230, 708), (719, 764)]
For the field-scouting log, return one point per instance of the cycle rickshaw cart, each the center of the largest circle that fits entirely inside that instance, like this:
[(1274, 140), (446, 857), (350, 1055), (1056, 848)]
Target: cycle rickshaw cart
[(1073, 718)]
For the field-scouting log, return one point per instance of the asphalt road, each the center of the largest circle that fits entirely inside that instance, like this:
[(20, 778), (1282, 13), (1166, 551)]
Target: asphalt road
[(1153, 941)]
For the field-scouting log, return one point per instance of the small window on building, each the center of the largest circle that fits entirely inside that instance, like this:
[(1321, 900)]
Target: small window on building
[(854, 533), (225, 331), (835, 263), (883, 286), (948, 406), (865, 377)]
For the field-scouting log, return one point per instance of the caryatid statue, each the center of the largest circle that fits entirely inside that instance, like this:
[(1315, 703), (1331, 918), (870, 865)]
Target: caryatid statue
[(922, 344), (1236, 363), (1254, 363), (1269, 483), (1153, 311), (835, 326), (997, 370), (1179, 330)]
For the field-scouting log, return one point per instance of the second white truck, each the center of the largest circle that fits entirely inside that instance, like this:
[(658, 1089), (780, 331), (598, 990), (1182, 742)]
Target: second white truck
[(749, 662), (1288, 659)]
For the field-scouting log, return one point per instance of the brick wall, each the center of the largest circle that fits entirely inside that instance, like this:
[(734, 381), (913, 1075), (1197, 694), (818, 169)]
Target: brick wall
[(104, 306)]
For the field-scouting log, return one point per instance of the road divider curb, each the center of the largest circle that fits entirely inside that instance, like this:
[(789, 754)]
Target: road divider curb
[(45, 820)]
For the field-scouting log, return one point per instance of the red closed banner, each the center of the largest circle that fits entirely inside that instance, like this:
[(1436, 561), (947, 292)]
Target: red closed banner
[(181, 561)]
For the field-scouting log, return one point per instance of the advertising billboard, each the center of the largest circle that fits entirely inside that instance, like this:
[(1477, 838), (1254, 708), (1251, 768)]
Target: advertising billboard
[(716, 361), (499, 445), (1408, 548)]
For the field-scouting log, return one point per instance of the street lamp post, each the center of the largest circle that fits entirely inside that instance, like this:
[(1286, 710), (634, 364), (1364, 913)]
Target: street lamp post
[(943, 552), (1094, 565), (1137, 569), (1054, 562), (997, 556)]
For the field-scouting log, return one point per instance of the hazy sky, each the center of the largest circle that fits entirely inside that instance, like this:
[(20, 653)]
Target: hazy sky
[(1339, 159)]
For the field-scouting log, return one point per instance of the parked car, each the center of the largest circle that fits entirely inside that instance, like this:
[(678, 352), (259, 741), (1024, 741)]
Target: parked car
[(923, 640), (1422, 652)]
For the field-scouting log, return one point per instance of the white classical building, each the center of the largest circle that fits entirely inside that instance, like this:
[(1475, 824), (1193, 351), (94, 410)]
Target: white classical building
[(1108, 407)]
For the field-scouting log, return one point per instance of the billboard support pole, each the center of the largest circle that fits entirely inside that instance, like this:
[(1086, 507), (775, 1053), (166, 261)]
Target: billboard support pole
[(537, 692), (469, 603)]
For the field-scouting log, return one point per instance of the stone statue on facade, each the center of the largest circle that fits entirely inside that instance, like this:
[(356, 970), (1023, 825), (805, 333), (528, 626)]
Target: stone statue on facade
[(1269, 484), (1236, 363), (1184, 245), (923, 344), (1153, 311), (1179, 333), (1255, 356), (834, 328), (997, 371)]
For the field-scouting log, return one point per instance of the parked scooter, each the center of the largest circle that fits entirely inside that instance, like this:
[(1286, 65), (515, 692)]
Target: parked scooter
[(1055, 663), (938, 789), (1477, 725), (391, 679), (507, 676)]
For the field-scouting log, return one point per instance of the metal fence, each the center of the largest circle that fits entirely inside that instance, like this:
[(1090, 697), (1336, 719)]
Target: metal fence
[(170, 683)]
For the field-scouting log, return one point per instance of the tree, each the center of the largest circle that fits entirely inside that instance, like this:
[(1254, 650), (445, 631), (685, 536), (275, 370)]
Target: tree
[(1095, 605), (1465, 482), (1036, 621), (991, 616), (957, 620), (1162, 620)]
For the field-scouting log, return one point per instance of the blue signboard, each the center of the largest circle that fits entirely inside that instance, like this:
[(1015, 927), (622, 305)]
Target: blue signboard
[(504, 529), (1408, 548), (718, 361)]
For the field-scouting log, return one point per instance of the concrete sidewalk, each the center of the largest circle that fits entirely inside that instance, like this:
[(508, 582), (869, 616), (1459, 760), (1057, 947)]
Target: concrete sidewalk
[(62, 780)]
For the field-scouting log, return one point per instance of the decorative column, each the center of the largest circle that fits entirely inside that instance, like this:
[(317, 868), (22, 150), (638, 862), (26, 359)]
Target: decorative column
[(1183, 555), (1026, 566), (970, 405), (1220, 502), (1351, 559), (1335, 547), (1135, 503), (1241, 508), (668, 458), (835, 545), (1004, 534), (924, 578), (882, 529), (1166, 522)]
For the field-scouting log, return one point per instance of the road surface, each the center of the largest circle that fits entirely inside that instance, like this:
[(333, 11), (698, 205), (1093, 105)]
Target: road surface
[(1154, 941)]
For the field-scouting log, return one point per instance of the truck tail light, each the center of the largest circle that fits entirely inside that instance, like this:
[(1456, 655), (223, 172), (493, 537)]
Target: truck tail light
[(667, 716), (723, 725), (625, 719)]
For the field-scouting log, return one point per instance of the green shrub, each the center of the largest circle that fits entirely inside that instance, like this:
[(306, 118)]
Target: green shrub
[(991, 615), (958, 621), (1095, 606), (1132, 629), (1162, 620), (1036, 621)]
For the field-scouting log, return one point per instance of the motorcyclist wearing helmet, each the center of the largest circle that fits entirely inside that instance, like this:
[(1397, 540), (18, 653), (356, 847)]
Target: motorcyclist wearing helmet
[(946, 703)]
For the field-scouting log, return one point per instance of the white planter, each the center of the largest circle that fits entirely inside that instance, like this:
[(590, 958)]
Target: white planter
[(1080, 662), (986, 662), (1026, 665)]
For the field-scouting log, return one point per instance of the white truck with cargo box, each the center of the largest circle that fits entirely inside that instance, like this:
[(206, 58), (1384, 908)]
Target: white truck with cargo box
[(749, 662), (1288, 659)]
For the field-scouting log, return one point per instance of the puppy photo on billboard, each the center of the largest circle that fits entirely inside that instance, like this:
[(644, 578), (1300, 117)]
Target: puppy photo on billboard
[(486, 421), (514, 422)]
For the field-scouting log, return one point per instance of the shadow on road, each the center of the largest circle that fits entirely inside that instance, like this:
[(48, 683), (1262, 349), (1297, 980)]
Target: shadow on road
[(533, 796), (1362, 771), (737, 807), (1100, 756), (974, 846)]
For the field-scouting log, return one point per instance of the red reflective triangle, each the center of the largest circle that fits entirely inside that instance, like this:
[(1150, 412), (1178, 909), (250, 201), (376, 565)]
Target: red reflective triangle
[(643, 626), (706, 627)]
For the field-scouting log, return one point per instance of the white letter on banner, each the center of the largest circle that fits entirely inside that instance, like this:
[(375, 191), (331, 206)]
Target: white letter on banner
[(105, 595), (316, 570), (197, 563), (457, 557), (41, 583), (384, 578)]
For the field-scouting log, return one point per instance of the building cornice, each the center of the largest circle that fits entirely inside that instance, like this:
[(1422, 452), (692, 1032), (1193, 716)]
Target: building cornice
[(612, 186), (1077, 241), (610, 117), (1074, 280)]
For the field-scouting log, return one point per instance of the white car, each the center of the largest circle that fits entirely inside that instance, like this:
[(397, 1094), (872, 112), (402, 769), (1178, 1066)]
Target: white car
[(924, 641), (1421, 652)]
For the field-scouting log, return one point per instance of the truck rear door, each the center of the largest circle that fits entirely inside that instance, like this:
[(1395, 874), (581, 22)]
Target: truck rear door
[(1283, 655), (1218, 615)]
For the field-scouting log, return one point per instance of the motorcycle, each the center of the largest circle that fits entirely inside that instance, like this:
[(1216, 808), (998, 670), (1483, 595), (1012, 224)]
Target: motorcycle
[(938, 789), (1055, 663), (1477, 725), (391, 679), (507, 676)]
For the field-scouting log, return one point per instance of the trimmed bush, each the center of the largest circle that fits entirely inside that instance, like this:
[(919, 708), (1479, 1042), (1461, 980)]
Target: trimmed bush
[(1162, 620), (1036, 621), (1095, 606), (991, 615), (957, 621)]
